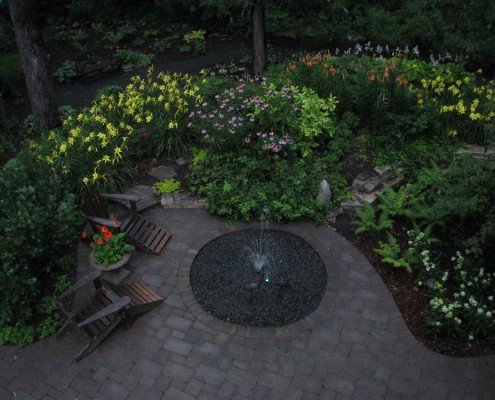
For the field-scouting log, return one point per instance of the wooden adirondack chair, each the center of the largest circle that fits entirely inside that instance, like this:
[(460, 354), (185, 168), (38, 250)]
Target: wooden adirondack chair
[(106, 309), (140, 232), (99, 317)]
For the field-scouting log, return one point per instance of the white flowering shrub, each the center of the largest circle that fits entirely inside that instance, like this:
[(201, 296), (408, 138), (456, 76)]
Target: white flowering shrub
[(462, 303)]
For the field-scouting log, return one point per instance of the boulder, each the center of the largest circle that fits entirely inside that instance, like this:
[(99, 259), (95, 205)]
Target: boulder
[(366, 182), (332, 215), (365, 197), (325, 194), (163, 172), (350, 205), (385, 173)]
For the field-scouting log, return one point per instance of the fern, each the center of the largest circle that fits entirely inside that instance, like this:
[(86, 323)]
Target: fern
[(391, 253), (392, 202), (367, 222), (366, 219), (384, 222)]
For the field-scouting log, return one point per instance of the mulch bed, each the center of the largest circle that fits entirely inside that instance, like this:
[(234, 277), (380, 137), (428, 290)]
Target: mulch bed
[(222, 276), (413, 302)]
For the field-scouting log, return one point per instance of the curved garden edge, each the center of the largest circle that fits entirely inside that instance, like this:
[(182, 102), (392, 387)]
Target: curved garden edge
[(346, 267)]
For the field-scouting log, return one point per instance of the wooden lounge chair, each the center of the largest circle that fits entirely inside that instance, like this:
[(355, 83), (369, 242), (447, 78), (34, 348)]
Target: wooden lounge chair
[(106, 309), (140, 232)]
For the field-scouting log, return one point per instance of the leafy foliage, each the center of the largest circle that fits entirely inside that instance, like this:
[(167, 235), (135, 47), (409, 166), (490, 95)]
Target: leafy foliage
[(136, 58), (97, 149), (38, 221), (196, 39), (391, 253), (168, 186), (109, 248), (243, 187), (66, 72), (367, 220)]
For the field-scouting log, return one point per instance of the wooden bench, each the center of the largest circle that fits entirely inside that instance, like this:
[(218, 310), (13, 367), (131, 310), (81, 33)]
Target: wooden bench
[(96, 60)]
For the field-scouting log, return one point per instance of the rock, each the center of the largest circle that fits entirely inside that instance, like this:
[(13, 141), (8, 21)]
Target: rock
[(75, 25), (365, 197), (431, 283), (325, 194), (332, 215), (396, 181), (127, 67), (163, 172), (366, 182), (167, 200), (350, 205), (385, 173), (181, 200), (181, 161)]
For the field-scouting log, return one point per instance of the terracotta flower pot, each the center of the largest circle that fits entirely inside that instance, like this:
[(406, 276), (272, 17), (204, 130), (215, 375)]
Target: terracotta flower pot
[(110, 267)]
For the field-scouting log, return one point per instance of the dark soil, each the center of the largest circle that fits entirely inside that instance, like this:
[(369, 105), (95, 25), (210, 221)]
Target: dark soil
[(413, 302), (222, 275)]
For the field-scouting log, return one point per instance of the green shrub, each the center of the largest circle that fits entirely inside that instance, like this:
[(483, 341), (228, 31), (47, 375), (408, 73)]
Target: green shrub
[(161, 45), (66, 72), (38, 221), (167, 186), (136, 58), (196, 39), (243, 187), (78, 38), (19, 335), (49, 326)]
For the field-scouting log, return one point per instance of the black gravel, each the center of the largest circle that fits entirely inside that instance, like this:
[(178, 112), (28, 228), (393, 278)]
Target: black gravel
[(221, 275)]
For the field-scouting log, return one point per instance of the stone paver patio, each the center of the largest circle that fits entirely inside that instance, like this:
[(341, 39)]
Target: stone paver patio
[(355, 345)]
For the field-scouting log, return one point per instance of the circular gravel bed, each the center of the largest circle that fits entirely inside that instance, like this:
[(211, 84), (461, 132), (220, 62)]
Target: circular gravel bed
[(226, 284)]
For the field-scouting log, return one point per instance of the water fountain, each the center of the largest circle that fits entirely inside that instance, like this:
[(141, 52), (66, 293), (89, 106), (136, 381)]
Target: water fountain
[(261, 257), (258, 277)]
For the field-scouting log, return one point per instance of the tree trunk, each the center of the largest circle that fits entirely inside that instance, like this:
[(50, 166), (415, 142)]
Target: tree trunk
[(259, 44), (30, 44)]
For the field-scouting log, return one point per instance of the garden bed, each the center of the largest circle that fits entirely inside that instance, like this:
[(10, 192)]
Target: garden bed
[(413, 302)]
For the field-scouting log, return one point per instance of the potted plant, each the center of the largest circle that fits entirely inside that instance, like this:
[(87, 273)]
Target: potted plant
[(109, 251)]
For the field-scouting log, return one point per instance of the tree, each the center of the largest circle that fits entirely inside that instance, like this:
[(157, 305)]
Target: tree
[(259, 43), (29, 40), (238, 8)]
